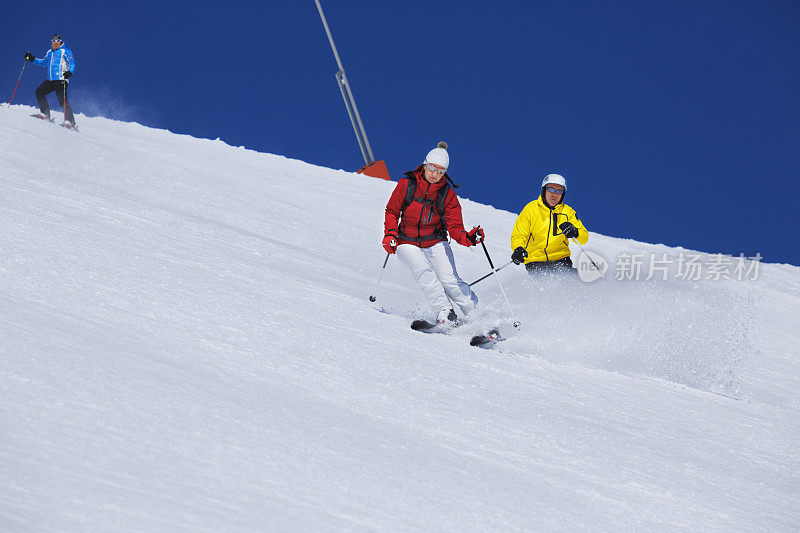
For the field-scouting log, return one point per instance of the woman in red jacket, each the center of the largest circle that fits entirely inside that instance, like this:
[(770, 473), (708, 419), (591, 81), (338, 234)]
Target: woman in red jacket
[(421, 211)]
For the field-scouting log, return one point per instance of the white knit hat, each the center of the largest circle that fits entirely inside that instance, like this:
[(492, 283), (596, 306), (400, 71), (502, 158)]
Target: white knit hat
[(439, 156)]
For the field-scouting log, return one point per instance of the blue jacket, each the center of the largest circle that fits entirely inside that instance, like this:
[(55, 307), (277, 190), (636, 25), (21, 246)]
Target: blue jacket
[(57, 62)]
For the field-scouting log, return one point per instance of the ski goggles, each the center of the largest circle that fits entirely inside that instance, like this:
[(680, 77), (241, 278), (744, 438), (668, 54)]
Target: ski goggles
[(434, 169), (554, 190), (56, 39)]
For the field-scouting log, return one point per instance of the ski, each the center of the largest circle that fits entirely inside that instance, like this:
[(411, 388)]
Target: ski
[(42, 117), (428, 327), (64, 125), (486, 341)]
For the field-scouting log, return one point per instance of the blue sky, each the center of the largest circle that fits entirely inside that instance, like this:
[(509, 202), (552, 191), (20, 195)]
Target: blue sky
[(675, 122)]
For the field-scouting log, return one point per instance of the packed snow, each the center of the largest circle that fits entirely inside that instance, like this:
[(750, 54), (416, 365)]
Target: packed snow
[(187, 345)]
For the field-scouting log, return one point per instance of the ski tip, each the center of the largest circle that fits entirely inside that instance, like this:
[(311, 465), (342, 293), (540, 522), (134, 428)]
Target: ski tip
[(482, 342), (422, 325), (486, 341), (478, 340)]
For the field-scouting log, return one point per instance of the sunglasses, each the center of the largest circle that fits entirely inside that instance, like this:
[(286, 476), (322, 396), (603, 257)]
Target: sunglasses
[(56, 41), (434, 169), (554, 191)]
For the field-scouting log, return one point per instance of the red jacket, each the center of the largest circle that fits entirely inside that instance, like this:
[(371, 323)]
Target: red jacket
[(421, 219)]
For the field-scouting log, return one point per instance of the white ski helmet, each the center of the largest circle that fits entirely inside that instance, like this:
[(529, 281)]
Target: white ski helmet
[(558, 179)]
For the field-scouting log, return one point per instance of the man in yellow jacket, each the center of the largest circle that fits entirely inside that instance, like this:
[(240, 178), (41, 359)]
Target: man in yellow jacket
[(542, 231)]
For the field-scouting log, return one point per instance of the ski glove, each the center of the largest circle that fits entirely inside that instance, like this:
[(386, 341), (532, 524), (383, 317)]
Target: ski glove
[(570, 231), (519, 255), (476, 235), (67, 74), (390, 244), (29, 56)]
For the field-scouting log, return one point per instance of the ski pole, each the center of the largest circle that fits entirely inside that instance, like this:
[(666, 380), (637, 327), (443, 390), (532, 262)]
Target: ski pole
[(20, 77), (516, 322), (65, 102), (490, 273), (587, 255), (383, 269)]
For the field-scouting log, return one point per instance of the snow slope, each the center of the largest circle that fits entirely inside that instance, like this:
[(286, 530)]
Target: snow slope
[(186, 345)]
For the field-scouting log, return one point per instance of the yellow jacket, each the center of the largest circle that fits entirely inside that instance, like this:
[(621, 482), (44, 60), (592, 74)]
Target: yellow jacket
[(539, 223)]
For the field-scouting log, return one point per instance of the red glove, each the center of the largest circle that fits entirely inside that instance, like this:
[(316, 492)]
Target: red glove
[(390, 244), (476, 235)]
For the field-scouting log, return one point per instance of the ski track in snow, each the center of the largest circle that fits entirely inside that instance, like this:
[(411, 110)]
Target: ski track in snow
[(187, 345)]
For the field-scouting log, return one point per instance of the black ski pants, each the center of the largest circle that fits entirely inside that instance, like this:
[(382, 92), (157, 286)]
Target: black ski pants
[(564, 264), (46, 88)]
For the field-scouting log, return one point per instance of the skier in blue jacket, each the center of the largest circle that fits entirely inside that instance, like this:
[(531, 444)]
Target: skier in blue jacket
[(60, 65)]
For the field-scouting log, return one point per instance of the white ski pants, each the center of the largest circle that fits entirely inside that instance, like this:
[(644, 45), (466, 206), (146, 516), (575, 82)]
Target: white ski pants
[(434, 269)]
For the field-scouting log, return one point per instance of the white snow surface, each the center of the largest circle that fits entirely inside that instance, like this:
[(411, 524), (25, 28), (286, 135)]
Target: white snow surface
[(186, 344)]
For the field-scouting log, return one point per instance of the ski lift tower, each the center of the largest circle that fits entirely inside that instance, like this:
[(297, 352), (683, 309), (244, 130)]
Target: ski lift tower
[(376, 169)]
